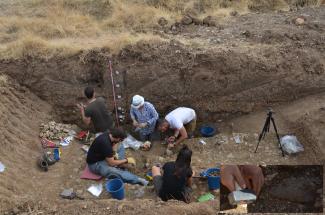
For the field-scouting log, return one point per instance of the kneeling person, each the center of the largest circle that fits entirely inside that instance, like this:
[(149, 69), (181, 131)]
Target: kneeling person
[(176, 180), (183, 121), (144, 117), (101, 161)]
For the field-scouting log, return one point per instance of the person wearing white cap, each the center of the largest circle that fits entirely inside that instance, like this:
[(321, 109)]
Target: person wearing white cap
[(144, 117)]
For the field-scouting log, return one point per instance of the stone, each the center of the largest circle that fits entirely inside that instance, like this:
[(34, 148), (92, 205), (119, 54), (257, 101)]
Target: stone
[(197, 21), (210, 21), (15, 210), (162, 21), (169, 152), (246, 33), (299, 21), (194, 187), (186, 20), (161, 159), (233, 13)]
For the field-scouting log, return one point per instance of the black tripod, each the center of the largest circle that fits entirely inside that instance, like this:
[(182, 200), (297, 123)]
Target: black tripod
[(266, 129)]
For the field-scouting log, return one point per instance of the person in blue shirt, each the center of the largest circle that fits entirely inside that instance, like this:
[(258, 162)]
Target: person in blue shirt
[(144, 117)]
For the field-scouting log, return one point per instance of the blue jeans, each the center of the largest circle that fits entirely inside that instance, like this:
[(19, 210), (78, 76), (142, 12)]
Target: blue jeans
[(102, 168)]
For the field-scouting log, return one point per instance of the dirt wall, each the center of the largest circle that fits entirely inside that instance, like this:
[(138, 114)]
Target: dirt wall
[(217, 83)]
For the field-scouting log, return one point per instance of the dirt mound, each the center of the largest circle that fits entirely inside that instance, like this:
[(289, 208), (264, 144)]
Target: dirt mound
[(21, 113)]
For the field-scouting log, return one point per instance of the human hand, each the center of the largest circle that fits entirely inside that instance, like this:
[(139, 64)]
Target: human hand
[(81, 106), (131, 160), (143, 125), (135, 123), (253, 176), (171, 139), (231, 174), (116, 156)]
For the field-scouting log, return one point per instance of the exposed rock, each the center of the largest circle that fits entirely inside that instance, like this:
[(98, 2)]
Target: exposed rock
[(186, 20), (197, 21), (210, 21), (169, 152), (162, 22), (54, 131), (233, 13), (246, 33), (300, 21)]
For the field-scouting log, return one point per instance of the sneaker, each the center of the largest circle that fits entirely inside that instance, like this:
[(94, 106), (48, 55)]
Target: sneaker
[(143, 181)]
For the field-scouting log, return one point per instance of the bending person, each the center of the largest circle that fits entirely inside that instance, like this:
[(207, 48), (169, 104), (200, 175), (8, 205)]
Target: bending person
[(102, 160), (183, 121), (144, 117), (176, 179)]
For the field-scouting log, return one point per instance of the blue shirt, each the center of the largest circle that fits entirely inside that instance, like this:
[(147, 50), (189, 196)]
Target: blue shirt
[(147, 114)]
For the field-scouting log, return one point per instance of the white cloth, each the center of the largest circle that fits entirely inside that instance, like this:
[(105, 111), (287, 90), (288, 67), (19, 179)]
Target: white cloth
[(180, 117)]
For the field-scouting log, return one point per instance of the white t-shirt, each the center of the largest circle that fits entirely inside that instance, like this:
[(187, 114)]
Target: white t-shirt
[(179, 117)]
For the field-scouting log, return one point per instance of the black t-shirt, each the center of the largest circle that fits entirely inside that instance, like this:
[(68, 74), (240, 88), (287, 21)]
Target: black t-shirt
[(173, 187), (100, 149), (101, 118)]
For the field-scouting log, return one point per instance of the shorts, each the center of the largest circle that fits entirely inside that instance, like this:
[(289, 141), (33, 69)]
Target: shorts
[(190, 127)]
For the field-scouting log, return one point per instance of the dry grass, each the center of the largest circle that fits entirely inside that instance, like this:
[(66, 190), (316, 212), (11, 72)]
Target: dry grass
[(40, 28)]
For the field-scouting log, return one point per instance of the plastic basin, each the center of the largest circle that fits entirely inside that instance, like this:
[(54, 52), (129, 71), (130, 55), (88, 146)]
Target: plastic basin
[(116, 188), (213, 181), (207, 131)]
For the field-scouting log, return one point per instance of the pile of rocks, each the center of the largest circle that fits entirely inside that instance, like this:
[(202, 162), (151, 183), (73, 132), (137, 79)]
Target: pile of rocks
[(54, 131)]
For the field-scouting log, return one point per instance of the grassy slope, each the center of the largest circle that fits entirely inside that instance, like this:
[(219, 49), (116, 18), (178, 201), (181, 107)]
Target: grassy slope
[(63, 27)]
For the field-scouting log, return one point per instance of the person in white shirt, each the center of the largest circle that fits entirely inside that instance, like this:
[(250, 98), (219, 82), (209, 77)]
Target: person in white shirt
[(183, 121)]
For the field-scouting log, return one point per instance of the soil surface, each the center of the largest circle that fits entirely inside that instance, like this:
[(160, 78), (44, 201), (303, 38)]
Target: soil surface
[(229, 74), (293, 189), (287, 189)]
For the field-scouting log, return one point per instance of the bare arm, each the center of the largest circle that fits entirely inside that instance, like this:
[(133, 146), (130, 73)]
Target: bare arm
[(85, 119), (189, 180), (183, 135), (112, 162)]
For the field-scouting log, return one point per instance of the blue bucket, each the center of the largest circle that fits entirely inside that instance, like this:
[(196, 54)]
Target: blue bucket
[(116, 188), (213, 181), (207, 131)]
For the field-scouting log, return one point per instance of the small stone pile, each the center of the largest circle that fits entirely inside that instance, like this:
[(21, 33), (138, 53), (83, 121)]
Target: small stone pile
[(54, 131)]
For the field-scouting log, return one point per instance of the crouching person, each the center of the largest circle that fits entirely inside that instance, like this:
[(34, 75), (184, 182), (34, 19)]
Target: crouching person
[(182, 121), (101, 157), (175, 179)]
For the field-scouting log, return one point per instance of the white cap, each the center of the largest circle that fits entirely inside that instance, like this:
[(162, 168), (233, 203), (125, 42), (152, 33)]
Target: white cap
[(137, 101)]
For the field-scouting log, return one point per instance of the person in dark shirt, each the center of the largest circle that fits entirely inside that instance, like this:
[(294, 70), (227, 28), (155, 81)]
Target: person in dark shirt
[(96, 112), (101, 158), (176, 180)]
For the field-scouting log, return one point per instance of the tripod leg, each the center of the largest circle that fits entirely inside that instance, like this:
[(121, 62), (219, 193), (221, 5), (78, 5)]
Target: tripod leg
[(263, 132), (277, 135)]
